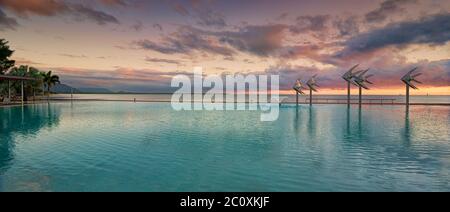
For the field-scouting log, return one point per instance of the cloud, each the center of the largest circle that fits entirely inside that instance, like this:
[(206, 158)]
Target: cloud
[(54, 8), (260, 40), (347, 26), (114, 2), (169, 47), (201, 12), (101, 18), (7, 22), (180, 9), (159, 60), (158, 27), (310, 51), (310, 23), (211, 18), (436, 73), (433, 30), (37, 7), (287, 75), (386, 9), (282, 16), (73, 55), (185, 41), (138, 26)]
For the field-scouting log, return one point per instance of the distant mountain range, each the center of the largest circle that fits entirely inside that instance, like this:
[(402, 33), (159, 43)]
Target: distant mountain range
[(63, 88), (67, 89), (94, 90)]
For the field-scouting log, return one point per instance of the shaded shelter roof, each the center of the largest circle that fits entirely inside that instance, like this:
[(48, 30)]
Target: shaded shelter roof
[(15, 78)]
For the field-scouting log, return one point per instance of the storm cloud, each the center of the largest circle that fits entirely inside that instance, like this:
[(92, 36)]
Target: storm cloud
[(386, 9), (185, 41), (260, 40), (434, 30)]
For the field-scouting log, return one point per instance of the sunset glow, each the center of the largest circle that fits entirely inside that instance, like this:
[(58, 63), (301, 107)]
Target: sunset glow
[(137, 46)]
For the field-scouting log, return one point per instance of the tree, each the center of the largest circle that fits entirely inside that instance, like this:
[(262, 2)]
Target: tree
[(36, 85), (30, 87), (5, 53), (50, 80)]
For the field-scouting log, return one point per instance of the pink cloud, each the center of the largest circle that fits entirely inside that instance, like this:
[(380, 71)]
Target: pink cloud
[(39, 7)]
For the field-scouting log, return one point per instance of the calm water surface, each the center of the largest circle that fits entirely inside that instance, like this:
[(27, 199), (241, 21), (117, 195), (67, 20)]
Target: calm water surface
[(122, 146), (285, 98)]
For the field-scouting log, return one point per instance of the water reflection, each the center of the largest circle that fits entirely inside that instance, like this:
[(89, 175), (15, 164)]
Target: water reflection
[(348, 122), (319, 148), (355, 126), (299, 122), (360, 133), (23, 121), (305, 123), (312, 129), (407, 130), (296, 122)]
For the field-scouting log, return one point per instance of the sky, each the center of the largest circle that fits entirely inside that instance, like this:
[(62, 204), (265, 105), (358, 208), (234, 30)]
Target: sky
[(138, 46)]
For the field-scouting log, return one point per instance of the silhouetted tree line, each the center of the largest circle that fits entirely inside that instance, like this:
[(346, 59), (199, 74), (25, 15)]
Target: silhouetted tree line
[(31, 88)]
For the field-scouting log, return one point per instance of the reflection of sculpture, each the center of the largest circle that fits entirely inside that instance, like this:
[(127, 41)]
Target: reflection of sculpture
[(312, 125), (348, 76), (408, 79), (361, 79), (407, 129), (312, 85)]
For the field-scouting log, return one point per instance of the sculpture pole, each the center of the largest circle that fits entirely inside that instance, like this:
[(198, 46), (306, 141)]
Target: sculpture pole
[(408, 79), (407, 95), (348, 93), (312, 84), (298, 87), (361, 81), (360, 95), (348, 76)]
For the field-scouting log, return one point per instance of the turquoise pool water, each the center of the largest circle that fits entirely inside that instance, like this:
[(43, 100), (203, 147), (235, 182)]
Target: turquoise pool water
[(121, 146)]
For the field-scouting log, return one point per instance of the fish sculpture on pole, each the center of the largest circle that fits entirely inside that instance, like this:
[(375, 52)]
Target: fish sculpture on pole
[(361, 79), (298, 87), (408, 79), (312, 85), (348, 76)]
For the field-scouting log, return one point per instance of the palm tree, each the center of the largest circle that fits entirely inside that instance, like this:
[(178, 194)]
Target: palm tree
[(50, 80)]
